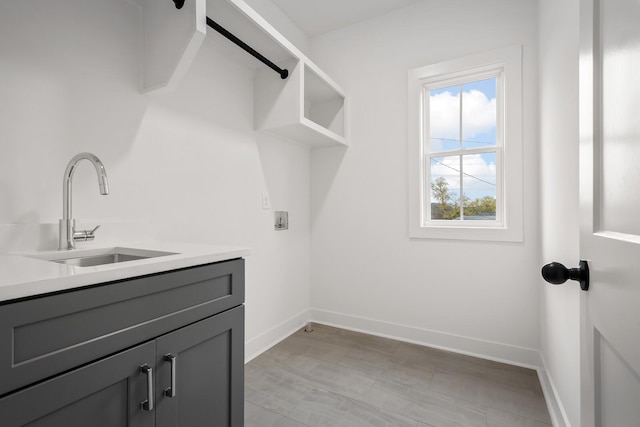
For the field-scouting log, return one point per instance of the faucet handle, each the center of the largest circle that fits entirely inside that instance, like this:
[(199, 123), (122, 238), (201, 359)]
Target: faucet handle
[(90, 235), (85, 235)]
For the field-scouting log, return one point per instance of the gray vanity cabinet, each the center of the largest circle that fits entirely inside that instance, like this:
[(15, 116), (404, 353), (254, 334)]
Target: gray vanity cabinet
[(209, 373), (104, 393), (174, 339)]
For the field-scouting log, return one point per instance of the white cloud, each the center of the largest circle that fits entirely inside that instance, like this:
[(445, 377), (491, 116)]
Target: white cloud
[(444, 115), (478, 114)]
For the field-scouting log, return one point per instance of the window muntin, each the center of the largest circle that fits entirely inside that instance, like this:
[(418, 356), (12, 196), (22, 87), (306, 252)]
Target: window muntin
[(462, 145)]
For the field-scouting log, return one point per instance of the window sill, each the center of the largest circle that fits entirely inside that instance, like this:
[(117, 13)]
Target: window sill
[(456, 232)]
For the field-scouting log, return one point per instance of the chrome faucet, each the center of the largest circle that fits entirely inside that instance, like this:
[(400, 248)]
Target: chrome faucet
[(68, 233)]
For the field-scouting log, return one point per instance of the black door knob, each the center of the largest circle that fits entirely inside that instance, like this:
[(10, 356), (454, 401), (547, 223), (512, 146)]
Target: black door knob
[(557, 274)]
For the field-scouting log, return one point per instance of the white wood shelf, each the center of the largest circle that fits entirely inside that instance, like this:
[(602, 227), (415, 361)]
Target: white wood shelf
[(308, 107), (302, 108)]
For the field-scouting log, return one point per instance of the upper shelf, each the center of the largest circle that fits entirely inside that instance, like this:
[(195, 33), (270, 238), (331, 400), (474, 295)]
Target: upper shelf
[(303, 108), (308, 107)]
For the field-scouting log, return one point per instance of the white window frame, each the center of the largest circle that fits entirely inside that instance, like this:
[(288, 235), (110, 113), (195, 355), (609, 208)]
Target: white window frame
[(506, 65)]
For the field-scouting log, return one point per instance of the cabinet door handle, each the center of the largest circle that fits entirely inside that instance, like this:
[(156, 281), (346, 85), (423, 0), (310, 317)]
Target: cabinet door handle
[(173, 360), (147, 405)]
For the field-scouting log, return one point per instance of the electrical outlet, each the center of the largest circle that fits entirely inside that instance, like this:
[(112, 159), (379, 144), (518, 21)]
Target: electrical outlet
[(266, 202)]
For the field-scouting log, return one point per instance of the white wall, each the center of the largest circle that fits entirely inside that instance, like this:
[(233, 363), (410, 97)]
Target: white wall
[(478, 297), (560, 305), (187, 162)]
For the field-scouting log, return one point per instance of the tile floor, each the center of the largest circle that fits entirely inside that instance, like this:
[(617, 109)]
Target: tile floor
[(333, 377)]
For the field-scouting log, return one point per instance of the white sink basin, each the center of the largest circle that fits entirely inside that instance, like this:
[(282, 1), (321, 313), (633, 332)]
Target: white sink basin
[(94, 257)]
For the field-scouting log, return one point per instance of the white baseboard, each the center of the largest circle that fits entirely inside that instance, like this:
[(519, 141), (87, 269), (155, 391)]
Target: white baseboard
[(263, 342), (520, 356), (554, 404)]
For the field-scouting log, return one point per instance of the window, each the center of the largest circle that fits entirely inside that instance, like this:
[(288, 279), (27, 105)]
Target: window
[(465, 148)]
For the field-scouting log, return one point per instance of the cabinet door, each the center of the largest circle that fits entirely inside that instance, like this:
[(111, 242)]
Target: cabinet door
[(209, 373), (108, 392)]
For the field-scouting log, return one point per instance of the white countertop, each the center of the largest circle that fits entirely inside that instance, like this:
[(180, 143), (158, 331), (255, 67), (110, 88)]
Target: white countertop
[(22, 276)]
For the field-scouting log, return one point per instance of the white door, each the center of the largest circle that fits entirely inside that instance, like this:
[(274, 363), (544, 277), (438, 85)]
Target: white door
[(610, 211)]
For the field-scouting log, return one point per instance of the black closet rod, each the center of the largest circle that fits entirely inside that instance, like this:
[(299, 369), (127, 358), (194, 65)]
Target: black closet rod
[(219, 28)]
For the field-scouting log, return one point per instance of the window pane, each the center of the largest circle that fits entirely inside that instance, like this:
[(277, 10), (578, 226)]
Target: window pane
[(479, 113), (479, 182), (444, 118), (445, 187)]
